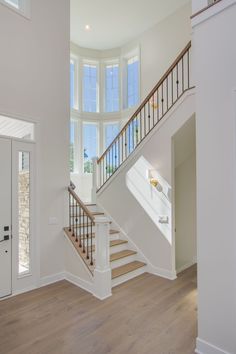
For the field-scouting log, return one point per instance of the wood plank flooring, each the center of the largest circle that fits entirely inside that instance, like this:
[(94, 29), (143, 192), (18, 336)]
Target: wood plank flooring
[(147, 315)]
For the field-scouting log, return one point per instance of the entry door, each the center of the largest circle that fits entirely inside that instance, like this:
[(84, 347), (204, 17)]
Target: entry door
[(5, 218)]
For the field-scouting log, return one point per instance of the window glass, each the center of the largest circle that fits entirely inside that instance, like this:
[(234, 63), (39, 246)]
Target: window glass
[(90, 144), (72, 83), (24, 212), (112, 101), (132, 82), (111, 131), (72, 146), (90, 88), (14, 3)]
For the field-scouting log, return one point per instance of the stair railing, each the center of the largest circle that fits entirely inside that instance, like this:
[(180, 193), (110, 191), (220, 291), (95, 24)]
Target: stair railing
[(84, 227), (174, 83), (81, 222)]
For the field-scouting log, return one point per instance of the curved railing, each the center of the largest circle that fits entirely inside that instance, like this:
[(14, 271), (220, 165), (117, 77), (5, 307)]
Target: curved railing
[(161, 99)]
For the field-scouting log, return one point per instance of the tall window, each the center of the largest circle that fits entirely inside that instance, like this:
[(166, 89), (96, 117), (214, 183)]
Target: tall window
[(112, 101), (132, 81), (72, 146), (111, 131), (14, 3), (72, 83), (90, 88), (90, 145)]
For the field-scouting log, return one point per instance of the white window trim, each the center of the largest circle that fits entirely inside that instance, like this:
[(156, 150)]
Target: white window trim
[(24, 10)]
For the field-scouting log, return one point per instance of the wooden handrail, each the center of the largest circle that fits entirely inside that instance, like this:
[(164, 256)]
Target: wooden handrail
[(150, 95), (82, 205), (204, 9)]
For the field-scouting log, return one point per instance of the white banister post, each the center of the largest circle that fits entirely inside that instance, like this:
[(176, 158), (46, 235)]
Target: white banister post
[(102, 272), (95, 181)]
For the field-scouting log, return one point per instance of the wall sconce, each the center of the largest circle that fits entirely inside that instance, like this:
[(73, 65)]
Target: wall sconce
[(156, 184)]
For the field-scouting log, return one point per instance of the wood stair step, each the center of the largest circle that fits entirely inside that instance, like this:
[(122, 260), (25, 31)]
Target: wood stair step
[(122, 254), (117, 242), (127, 268), (84, 225), (112, 232), (97, 213)]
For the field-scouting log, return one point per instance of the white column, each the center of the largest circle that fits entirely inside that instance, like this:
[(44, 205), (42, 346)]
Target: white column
[(95, 181), (102, 272)]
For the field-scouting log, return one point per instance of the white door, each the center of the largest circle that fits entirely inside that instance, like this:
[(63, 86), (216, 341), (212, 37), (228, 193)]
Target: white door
[(5, 218)]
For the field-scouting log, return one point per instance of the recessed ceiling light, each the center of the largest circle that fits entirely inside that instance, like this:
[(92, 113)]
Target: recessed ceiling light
[(87, 27)]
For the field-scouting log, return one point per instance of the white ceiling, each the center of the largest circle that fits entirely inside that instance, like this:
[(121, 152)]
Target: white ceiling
[(116, 22)]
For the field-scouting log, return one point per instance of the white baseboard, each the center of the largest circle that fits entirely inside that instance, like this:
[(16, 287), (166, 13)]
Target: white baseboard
[(50, 279), (160, 272), (204, 347), (186, 266), (81, 283)]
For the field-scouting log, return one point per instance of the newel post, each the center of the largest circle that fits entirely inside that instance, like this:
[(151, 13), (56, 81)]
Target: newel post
[(95, 180), (102, 272)]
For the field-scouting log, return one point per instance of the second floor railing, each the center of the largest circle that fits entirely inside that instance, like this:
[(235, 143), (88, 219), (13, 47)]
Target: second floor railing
[(175, 82)]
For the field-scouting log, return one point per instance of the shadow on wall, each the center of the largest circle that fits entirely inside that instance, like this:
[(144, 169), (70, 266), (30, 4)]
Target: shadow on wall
[(157, 205)]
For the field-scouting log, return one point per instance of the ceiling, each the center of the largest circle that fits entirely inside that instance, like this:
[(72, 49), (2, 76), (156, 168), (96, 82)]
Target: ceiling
[(116, 22)]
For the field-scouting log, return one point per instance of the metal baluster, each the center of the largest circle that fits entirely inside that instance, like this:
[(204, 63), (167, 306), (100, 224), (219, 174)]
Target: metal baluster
[(172, 87), (91, 238), (87, 237), (80, 241), (162, 101), (182, 74), (73, 222), (70, 212), (167, 93), (76, 222), (188, 71), (84, 231), (177, 79), (149, 116)]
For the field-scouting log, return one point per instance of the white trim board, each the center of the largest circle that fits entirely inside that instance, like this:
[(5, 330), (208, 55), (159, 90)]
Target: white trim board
[(203, 347)]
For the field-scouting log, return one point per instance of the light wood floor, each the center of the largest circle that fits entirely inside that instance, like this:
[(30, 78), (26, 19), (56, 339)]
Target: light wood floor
[(147, 315)]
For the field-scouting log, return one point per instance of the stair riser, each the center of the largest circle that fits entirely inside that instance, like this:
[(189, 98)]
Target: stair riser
[(123, 261), (119, 248), (128, 276)]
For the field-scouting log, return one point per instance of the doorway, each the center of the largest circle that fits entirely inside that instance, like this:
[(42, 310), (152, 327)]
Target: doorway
[(17, 233), (185, 196)]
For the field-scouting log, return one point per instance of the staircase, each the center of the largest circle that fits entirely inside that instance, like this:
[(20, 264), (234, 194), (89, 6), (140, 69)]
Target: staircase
[(125, 262), (107, 253)]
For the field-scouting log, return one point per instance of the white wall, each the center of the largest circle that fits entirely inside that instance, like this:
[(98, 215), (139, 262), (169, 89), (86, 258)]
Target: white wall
[(160, 46), (132, 202), (185, 213), (215, 58), (34, 84)]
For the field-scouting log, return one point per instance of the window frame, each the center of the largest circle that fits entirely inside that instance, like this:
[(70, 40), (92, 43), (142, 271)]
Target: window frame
[(106, 63), (105, 124), (134, 53), (97, 64), (95, 123), (23, 10), (75, 59)]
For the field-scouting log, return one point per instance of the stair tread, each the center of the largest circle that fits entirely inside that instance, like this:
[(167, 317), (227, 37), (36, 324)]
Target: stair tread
[(84, 225), (97, 213), (127, 268), (111, 232), (117, 242), (121, 254)]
